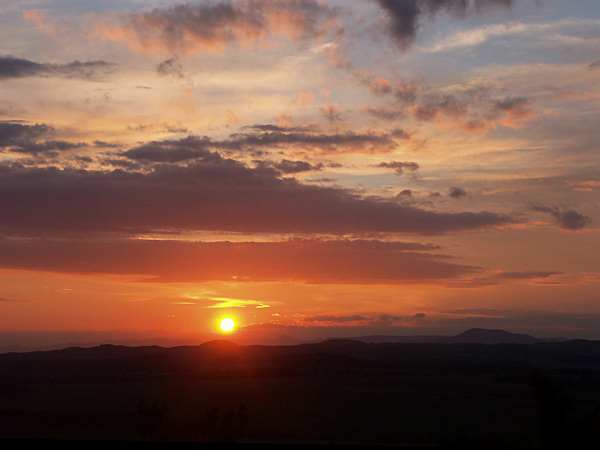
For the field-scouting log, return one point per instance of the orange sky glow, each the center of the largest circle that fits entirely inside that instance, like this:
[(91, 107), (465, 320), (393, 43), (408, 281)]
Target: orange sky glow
[(310, 169)]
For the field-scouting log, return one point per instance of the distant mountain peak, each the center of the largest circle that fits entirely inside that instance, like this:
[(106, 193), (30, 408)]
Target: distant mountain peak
[(489, 336)]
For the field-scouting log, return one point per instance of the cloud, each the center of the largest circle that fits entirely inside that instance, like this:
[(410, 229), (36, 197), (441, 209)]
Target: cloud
[(226, 302), (172, 151), (336, 319), (332, 113), (215, 26), (404, 16), (528, 275), (472, 109), (172, 67), (594, 65), (568, 219), (286, 166), (212, 193), (272, 137), (399, 167), (48, 147), (312, 261), (18, 134), (22, 138), (349, 141), (385, 113), (515, 109), (456, 192), (11, 67)]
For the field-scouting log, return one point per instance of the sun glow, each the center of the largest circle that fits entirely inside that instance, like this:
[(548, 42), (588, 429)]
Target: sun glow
[(227, 324)]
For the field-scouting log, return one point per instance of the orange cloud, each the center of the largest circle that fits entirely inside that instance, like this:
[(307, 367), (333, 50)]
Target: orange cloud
[(41, 20), (312, 261), (303, 98), (215, 27)]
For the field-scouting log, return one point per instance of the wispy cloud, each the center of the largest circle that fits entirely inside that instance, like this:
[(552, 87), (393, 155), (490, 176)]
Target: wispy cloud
[(11, 67), (568, 219), (311, 261), (481, 35), (222, 302), (404, 17)]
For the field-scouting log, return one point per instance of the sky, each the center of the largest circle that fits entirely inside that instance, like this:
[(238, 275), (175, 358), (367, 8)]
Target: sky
[(309, 168)]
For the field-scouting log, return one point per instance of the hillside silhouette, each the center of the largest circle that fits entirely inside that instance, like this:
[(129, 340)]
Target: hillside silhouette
[(515, 393)]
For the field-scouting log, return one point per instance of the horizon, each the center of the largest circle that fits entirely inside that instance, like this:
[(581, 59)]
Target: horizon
[(20, 346), (306, 168)]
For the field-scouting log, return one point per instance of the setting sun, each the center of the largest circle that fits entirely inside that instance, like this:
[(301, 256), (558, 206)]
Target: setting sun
[(227, 324)]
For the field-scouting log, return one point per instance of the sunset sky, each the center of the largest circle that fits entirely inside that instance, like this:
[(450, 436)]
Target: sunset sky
[(308, 168)]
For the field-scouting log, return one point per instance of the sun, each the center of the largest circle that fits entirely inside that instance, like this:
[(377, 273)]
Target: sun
[(227, 324)]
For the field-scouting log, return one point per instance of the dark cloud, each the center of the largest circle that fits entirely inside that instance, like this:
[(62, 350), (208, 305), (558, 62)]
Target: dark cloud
[(17, 134), (104, 144), (473, 109), (568, 219), (406, 193), (34, 148), (387, 320), (433, 105), (511, 103), (310, 261), (399, 167), (171, 67), (456, 192), (84, 159), (513, 107), (172, 151), (211, 193), (528, 275), (405, 15), (22, 138), (11, 67), (286, 166), (469, 108), (195, 147), (272, 137), (339, 142), (122, 163), (336, 319), (210, 26), (385, 113), (271, 127)]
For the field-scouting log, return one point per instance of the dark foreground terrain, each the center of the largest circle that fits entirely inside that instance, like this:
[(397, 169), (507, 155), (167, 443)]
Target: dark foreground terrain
[(339, 391)]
